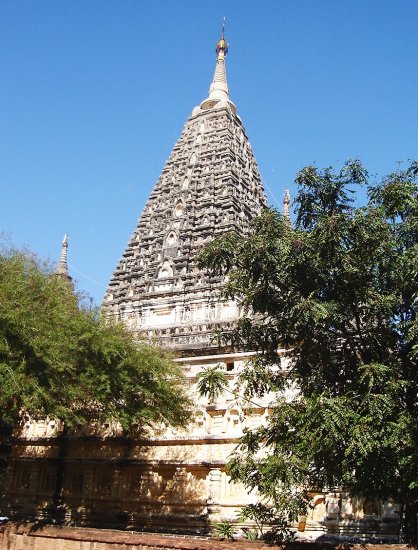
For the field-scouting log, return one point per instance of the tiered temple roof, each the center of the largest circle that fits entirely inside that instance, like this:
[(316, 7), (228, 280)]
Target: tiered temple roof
[(209, 185)]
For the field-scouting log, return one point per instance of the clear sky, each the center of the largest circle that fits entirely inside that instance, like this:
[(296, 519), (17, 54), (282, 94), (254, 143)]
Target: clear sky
[(95, 93)]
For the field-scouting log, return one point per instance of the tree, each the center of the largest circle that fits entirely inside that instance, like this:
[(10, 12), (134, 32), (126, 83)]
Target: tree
[(339, 293), (61, 358)]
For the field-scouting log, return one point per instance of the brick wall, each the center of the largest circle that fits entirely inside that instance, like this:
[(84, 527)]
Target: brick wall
[(15, 537)]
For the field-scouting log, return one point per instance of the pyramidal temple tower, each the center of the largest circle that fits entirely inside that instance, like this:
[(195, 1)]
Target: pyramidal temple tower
[(209, 185)]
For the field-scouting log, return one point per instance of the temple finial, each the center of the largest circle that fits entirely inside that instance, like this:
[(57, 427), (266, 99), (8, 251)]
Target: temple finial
[(218, 91), (219, 86), (286, 206), (62, 267), (222, 45)]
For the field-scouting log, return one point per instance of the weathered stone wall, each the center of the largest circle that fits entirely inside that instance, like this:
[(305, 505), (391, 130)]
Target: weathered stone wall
[(175, 479)]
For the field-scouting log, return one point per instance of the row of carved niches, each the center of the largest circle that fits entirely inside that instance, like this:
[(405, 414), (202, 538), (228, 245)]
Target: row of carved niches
[(185, 334), (187, 282), (199, 305), (330, 510), (130, 480), (228, 422), (169, 486), (225, 422), (210, 168)]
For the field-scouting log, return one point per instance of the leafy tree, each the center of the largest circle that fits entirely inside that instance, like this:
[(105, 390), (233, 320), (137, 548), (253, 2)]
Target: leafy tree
[(224, 530), (339, 293), (60, 358), (267, 516)]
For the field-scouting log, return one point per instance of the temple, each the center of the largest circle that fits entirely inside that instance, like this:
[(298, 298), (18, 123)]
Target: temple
[(175, 479)]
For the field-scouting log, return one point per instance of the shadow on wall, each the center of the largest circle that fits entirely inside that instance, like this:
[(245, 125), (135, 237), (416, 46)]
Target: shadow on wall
[(104, 483)]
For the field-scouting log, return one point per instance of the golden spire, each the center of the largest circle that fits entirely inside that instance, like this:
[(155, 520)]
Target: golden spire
[(218, 91), (222, 45), (219, 87)]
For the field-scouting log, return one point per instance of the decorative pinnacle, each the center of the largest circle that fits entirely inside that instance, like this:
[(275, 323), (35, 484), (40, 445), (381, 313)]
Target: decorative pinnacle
[(218, 91), (222, 45), (219, 87), (62, 268), (286, 205)]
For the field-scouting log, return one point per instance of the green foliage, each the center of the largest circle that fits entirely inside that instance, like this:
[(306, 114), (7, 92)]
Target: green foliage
[(212, 382), (250, 534), (61, 358), (256, 379), (272, 525), (280, 533), (339, 293), (223, 530)]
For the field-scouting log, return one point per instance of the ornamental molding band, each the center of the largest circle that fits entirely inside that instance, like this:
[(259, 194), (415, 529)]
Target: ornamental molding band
[(209, 185)]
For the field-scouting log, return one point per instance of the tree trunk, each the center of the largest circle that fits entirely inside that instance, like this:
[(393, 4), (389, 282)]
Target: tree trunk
[(408, 530), (58, 511), (5, 448)]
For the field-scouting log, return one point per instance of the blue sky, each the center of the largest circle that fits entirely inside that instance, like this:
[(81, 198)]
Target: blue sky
[(95, 93)]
